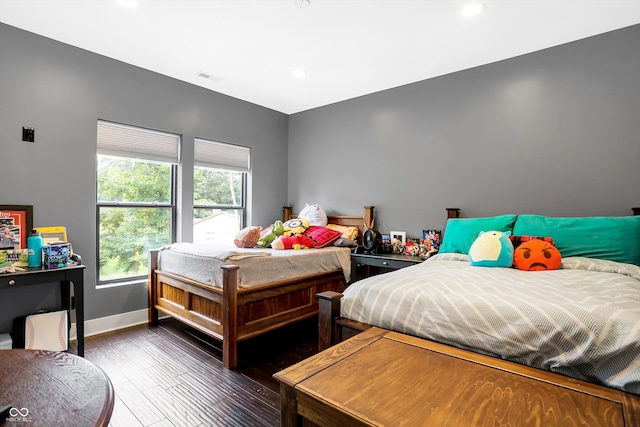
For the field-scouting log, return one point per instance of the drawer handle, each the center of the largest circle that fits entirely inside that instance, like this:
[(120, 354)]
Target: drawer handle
[(12, 282), (384, 262)]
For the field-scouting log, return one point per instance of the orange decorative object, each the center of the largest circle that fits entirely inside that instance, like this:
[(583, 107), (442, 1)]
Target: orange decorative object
[(537, 255)]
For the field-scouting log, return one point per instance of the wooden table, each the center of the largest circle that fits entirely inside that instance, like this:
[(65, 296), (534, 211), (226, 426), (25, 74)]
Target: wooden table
[(382, 378), (48, 388)]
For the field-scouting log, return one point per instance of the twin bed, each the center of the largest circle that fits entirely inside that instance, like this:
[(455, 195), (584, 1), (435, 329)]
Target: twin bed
[(234, 294), (581, 321)]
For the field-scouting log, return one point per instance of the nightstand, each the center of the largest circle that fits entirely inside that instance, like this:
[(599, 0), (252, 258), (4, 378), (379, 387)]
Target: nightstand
[(379, 263)]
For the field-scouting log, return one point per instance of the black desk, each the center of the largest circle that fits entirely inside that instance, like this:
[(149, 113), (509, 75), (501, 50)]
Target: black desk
[(72, 275)]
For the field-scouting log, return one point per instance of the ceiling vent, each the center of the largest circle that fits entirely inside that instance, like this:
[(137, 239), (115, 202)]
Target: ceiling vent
[(209, 76)]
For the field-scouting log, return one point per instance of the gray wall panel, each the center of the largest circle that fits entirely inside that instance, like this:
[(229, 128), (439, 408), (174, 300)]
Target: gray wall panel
[(62, 91), (555, 132)]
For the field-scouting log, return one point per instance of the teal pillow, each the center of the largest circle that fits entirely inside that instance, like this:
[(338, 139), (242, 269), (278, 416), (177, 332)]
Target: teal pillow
[(614, 238), (460, 233)]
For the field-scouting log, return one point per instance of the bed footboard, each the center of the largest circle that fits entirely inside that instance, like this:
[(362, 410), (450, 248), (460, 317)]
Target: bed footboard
[(231, 315), (333, 329)]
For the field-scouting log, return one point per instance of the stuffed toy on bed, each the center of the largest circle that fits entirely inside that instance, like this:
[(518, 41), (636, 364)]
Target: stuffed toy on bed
[(247, 237), (276, 230), (314, 214), (492, 249), (295, 226), (298, 241), (537, 255)]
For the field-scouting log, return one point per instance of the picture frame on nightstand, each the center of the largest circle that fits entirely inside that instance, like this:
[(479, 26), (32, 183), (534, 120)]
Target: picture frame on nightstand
[(401, 236)]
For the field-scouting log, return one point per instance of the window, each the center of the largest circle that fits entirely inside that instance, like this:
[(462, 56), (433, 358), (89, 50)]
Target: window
[(136, 187), (219, 189)]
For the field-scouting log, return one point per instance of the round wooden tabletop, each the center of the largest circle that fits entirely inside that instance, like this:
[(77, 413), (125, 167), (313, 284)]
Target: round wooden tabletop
[(49, 388)]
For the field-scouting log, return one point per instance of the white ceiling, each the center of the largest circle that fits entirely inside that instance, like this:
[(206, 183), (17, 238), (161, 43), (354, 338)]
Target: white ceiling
[(349, 48)]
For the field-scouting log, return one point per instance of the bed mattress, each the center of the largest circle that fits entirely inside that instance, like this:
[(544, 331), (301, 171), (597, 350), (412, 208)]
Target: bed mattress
[(202, 262), (582, 320)]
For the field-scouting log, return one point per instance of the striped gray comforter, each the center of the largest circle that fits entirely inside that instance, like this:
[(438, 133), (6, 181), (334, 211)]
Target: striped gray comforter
[(582, 320)]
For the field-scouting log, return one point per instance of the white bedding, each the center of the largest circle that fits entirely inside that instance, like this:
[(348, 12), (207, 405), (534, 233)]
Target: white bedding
[(202, 262), (582, 320)]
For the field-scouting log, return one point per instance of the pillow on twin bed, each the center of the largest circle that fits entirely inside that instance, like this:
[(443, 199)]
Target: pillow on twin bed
[(611, 238), (322, 236), (348, 232), (460, 233)]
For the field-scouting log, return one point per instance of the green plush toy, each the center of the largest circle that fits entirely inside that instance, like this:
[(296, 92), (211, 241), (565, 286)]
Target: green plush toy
[(277, 230)]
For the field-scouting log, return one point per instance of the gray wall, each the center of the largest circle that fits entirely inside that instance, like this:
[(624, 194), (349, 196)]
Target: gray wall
[(62, 91), (555, 132)]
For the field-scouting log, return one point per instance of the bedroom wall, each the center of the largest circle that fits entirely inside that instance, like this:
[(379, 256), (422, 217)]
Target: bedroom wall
[(555, 132), (62, 91)]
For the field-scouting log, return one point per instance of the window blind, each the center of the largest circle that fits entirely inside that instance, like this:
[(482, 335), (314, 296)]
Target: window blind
[(219, 155), (127, 141)]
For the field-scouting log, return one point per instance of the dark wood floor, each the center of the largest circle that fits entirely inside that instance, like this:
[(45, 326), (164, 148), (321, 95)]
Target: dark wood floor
[(170, 375)]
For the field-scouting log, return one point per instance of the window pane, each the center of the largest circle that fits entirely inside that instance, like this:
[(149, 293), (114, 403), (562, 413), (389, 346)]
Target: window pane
[(126, 235), (216, 225), (217, 187), (130, 180)]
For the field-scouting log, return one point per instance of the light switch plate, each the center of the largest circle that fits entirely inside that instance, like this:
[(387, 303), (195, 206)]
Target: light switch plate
[(28, 134)]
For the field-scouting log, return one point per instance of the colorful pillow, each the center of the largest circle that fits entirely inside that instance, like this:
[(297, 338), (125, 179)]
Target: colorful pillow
[(537, 255), (345, 243), (460, 233), (322, 236), (491, 249), (348, 232), (613, 238), (518, 240)]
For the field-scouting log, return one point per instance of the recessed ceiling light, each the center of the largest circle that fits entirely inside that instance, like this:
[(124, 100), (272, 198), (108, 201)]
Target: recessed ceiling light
[(209, 76), (302, 3), (472, 9), (127, 3), (299, 73)]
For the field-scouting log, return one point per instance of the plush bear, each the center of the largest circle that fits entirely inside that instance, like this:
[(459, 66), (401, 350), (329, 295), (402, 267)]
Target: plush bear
[(314, 214), (276, 230), (247, 237), (298, 241), (296, 226), (492, 249)]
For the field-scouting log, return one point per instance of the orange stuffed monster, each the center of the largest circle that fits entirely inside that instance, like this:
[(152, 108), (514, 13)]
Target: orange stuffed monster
[(537, 255)]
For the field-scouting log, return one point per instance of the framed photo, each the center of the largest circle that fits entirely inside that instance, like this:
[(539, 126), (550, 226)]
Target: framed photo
[(432, 239), (16, 222), (386, 243), (400, 236)]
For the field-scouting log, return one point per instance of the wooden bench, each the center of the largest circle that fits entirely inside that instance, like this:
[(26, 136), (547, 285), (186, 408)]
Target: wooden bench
[(383, 378)]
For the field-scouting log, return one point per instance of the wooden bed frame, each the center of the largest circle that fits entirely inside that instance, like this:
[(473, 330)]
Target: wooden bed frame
[(230, 314), (333, 330)]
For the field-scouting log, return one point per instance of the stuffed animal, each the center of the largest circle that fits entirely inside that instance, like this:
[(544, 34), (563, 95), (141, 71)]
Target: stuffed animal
[(277, 230), (295, 226), (314, 214), (298, 241), (492, 249), (537, 255), (247, 237)]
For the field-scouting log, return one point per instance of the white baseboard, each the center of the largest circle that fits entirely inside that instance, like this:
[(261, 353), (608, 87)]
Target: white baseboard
[(112, 323)]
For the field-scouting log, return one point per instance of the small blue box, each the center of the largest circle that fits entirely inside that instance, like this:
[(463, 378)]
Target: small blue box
[(56, 254)]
